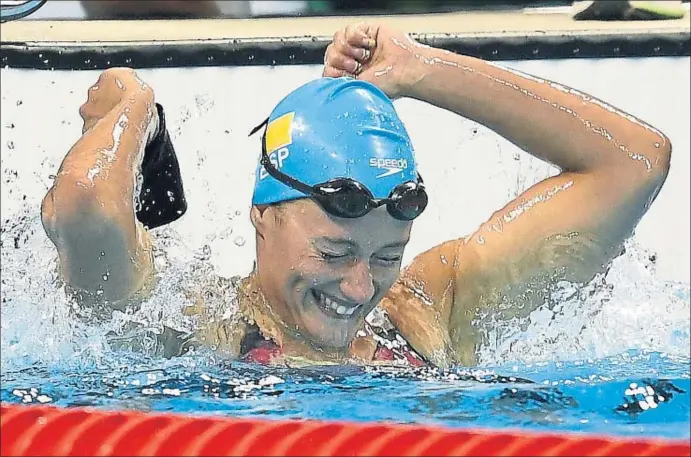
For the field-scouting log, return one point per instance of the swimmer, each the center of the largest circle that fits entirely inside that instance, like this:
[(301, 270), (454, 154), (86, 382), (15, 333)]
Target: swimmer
[(337, 192)]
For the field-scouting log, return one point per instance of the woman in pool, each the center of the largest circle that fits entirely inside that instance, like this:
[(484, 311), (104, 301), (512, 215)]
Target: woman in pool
[(336, 193)]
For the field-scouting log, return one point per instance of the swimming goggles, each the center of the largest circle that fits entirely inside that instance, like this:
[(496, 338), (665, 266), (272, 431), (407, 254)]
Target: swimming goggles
[(347, 198)]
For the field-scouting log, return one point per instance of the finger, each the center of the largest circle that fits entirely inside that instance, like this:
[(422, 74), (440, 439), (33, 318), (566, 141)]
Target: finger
[(356, 36), (342, 46), (372, 31), (336, 59), (332, 72)]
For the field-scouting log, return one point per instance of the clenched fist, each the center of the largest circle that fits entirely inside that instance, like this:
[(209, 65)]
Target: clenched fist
[(115, 85), (388, 58)]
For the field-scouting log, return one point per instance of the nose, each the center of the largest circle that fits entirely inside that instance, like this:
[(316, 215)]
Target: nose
[(358, 284)]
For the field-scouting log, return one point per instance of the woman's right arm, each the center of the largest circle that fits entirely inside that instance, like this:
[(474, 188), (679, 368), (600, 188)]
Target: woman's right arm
[(89, 214)]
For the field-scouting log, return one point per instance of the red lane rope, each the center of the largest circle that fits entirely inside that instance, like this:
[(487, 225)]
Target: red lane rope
[(50, 431)]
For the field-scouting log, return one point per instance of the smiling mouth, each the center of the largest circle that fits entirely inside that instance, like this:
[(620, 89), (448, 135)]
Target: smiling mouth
[(334, 308)]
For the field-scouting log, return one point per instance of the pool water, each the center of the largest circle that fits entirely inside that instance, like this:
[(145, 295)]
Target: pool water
[(609, 357), (634, 394)]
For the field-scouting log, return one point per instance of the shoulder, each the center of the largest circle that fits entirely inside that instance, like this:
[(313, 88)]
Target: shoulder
[(389, 346), (421, 302), (220, 325)]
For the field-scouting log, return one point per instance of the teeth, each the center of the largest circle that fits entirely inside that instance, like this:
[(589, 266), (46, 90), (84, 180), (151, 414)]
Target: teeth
[(330, 303), (340, 309)]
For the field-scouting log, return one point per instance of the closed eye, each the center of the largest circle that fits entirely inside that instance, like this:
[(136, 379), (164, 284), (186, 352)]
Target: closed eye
[(389, 259), (333, 256)]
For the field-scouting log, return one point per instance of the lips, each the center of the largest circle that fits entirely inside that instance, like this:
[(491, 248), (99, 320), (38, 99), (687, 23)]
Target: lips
[(333, 307)]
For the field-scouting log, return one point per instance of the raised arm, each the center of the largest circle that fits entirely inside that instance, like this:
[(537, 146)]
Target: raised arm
[(567, 227), (89, 213)]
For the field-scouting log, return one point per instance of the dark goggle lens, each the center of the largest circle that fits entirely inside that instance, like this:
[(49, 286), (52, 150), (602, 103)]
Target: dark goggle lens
[(345, 199), (409, 205)]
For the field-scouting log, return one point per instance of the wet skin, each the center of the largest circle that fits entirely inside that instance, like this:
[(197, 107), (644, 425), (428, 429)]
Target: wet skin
[(567, 227), (322, 275)]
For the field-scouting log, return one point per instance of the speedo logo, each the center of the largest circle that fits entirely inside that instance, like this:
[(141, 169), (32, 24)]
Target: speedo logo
[(391, 166)]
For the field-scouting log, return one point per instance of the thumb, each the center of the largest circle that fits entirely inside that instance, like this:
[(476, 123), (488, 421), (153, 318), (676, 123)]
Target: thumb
[(371, 30)]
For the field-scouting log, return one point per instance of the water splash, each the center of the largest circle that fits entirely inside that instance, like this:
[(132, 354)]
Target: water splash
[(626, 308)]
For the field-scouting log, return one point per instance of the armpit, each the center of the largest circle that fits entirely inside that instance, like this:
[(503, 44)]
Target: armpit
[(519, 282), (419, 318)]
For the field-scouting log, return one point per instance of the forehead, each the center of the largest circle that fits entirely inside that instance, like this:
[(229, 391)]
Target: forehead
[(373, 230)]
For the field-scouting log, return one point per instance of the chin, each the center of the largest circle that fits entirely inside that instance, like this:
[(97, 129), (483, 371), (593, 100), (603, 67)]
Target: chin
[(325, 334), (324, 324)]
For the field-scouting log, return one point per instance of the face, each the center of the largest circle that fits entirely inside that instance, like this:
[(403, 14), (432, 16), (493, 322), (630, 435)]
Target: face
[(321, 274)]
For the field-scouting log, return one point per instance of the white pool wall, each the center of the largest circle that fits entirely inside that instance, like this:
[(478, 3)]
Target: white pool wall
[(211, 110)]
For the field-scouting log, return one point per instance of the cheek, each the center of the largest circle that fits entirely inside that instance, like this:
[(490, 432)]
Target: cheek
[(385, 278), (307, 271), (389, 274)]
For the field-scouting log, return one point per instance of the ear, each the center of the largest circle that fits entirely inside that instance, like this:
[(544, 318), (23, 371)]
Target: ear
[(256, 216), (261, 218)]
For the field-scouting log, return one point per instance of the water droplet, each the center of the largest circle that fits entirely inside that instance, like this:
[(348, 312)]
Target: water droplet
[(204, 254), (10, 144), (239, 241)]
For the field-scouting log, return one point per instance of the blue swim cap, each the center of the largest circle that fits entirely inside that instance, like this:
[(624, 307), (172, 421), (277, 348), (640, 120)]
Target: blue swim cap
[(335, 128)]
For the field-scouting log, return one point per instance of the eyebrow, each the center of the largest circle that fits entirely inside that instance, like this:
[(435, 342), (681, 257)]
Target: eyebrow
[(349, 243)]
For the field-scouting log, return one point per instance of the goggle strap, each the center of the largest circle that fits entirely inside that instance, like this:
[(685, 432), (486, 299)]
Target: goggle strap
[(259, 127)]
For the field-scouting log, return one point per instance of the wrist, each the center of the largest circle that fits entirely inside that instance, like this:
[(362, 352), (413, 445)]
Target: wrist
[(416, 71)]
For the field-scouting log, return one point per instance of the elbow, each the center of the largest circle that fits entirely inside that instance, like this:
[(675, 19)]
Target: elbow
[(48, 214), (649, 159), (663, 158), (62, 206), (658, 163)]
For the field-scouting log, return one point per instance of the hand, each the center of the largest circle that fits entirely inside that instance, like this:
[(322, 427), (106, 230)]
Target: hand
[(115, 85), (377, 54)]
